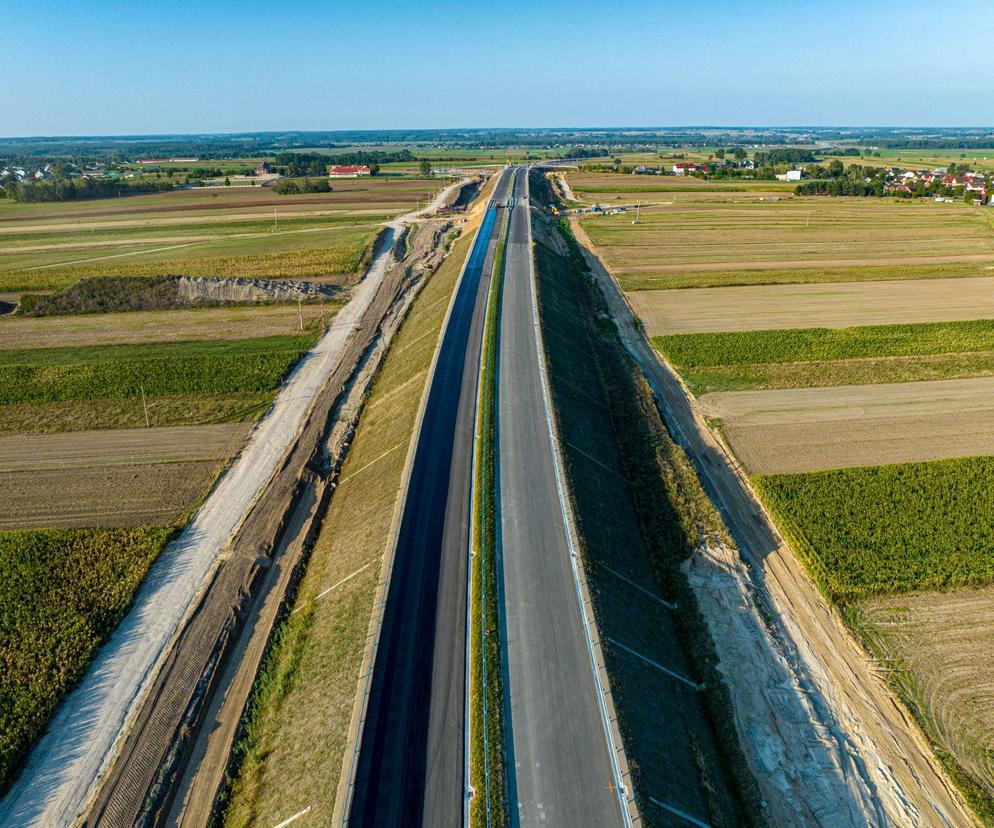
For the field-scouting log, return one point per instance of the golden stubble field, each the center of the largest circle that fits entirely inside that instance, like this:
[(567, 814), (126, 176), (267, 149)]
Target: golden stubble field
[(809, 429), (823, 305), (724, 230)]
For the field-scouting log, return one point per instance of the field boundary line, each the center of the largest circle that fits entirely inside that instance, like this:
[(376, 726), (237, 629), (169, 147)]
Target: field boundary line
[(609, 716)]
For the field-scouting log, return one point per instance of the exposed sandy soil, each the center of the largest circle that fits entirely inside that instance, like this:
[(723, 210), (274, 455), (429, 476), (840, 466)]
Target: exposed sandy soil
[(156, 326), (945, 641), (807, 429), (126, 477), (825, 305)]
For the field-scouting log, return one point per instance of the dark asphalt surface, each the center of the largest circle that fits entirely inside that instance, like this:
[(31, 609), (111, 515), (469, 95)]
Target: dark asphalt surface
[(411, 759), (561, 768)]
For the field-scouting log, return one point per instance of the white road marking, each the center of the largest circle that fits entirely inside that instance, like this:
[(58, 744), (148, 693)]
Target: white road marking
[(335, 586), (657, 665), (295, 817)]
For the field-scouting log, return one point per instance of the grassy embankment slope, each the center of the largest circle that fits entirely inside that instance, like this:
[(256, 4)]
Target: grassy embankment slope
[(305, 693)]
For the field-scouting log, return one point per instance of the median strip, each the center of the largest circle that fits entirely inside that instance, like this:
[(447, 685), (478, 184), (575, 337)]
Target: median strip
[(487, 806)]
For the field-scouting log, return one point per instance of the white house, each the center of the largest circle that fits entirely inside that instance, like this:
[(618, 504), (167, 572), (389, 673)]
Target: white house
[(790, 175)]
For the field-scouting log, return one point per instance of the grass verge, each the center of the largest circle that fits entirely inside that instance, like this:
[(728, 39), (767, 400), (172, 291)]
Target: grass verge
[(297, 728), (63, 593), (486, 767)]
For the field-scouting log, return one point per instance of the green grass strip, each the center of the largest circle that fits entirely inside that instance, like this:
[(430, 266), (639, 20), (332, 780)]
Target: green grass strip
[(487, 773)]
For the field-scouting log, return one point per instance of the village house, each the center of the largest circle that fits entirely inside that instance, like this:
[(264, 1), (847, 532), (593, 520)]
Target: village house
[(348, 171), (684, 167), (263, 169)]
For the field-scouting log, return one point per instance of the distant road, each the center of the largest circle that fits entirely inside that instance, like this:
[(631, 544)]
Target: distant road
[(411, 758), (560, 761)]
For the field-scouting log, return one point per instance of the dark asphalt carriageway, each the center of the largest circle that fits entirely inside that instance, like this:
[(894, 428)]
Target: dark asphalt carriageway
[(411, 761)]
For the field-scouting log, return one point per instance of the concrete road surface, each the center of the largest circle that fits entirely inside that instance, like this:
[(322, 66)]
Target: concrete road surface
[(560, 761), (411, 756)]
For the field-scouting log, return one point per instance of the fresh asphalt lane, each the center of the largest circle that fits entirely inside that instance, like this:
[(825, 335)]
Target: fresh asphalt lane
[(559, 759), (411, 756)]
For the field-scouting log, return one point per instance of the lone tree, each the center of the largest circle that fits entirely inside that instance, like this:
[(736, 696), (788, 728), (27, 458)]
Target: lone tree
[(425, 168)]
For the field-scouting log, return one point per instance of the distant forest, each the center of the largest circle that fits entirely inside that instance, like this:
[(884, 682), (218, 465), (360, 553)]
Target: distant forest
[(259, 144)]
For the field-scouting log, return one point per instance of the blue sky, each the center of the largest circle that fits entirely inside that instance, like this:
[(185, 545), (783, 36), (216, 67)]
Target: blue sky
[(115, 67)]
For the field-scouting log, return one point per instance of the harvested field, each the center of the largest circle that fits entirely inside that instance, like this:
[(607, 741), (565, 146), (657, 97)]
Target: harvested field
[(248, 322), (828, 305), (247, 232), (605, 186), (807, 429), (110, 478), (741, 232), (936, 647), (307, 689)]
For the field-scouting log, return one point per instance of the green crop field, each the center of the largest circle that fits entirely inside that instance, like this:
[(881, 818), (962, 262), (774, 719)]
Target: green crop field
[(162, 369), (879, 529), (62, 594), (804, 357)]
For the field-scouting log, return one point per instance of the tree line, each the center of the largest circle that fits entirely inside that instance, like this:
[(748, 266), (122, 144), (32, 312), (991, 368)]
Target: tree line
[(73, 189)]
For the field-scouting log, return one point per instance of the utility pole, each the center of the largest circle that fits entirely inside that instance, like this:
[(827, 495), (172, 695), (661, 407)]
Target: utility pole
[(148, 423), (638, 207), (300, 313), (276, 222)]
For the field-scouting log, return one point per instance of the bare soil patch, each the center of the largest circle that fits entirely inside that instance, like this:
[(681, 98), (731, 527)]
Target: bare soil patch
[(128, 477), (810, 429), (825, 305)]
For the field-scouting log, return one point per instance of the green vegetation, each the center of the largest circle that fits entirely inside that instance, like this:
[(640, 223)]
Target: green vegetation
[(110, 294), (810, 357), (162, 369), (62, 594), (78, 189), (639, 509), (487, 761), (911, 526), (87, 415), (814, 344), (731, 278)]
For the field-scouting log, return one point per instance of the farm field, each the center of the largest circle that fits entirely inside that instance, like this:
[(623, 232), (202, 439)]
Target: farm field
[(722, 234), (307, 689), (815, 357), (808, 429), (73, 586), (111, 478), (232, 322), (224, 232), (829, 305), (937, 645)]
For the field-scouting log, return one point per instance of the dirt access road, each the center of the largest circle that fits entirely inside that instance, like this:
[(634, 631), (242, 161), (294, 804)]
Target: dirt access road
[(65, 767), (854, 758)]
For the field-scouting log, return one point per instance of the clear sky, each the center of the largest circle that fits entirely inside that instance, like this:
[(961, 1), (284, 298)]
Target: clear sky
[(131, 66)]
